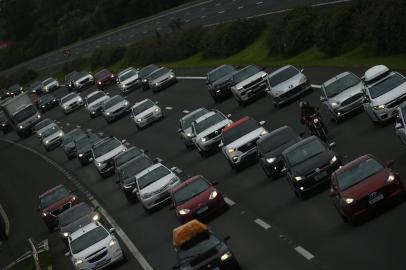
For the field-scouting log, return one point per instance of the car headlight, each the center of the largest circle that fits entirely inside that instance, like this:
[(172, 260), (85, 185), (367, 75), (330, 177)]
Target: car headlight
[(171, 76), (264, 132), (334, 104), (99, 82), (46, 142), (173, 180), (303, 80), (270, 160), (65, 106), (189, 134), (74, 198), (139, 119), (156, 84), (348, 200), (144, 80), (112, 242), (65, 234), (157, 110), (126, 103), (107, 113), (96, 217), (80, 99), (239, 88), (204, 139), (226, 256), (44, 214), (380, 107), (231, 150), (391, 178), (112, 76), (184, 211), (298, 178), (78, 262), (38, 116), (60, 134), (54, 100), (146, 196), (333, 160), (80, 155), (99, 164), (21, 127), (213, 195)]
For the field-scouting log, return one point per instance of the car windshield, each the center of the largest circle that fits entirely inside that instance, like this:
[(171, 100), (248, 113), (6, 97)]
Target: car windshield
[(282, 76), (105, 147), (86, 140), (245, 73), (202, 244), (191, 190), (54, 196), (35, 85), (45, 99), (127, 75), (48, 81), (341, 85), (50, 131), (102, 74), (160, 72), (73, 214), (95, 97), (152, 176), (70, 76), (68, 97), (43, 124), (186, 121), (24, 114), (81, 74), (88, 239), (145, 71), (220, 73), (127, 155), (271, 142), (386, 85), (358, 173), (208, 122), (237, 132), (304, 152), (71, 135), (134, 167), (14, 87), (112, 101), (142, 107)]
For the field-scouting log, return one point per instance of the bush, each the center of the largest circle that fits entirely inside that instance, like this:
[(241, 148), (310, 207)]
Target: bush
[(76, 64), (106, 56)]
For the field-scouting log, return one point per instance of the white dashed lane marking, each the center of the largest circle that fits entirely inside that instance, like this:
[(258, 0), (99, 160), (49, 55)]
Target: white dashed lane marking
[(316, 86), (168, 108), (191, 78), (229, 201), (259, 3), (263, 224), (240, 7), (186, 111), (302, 251)]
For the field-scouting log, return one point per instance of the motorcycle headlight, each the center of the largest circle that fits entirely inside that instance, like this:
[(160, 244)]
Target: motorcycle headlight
[(78, 262), (184, 211), (316, 120), (348, 200), (333, 160), (96, 217), (213, 195), (380, 107), (298, 178), (231, 150), (391, 178), (270, 160), (226, 256)]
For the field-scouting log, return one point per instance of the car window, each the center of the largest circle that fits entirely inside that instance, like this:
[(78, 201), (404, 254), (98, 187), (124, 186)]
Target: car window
[(208, 122), (70, 136), (245, 73), (304, 152), (127, 75), (159, 73), (68, 97), (24, 114), (95, 97), (88, 239), (145, 71), (282, 76), (220, 73), (43, 123), (341, 85), (73, 214), (50, 131), (112, 101), (276, 140), (142, 107), (48, 81), (201, 244), (134, 167), (86, 140), (152, 176), (386, 85), (191, 190), (186, 121), (127, 155), (53, 197), (104, 147), (237, 132)]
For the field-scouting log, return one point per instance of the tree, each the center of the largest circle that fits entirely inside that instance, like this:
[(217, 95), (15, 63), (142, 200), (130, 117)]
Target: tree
[(17, 16)]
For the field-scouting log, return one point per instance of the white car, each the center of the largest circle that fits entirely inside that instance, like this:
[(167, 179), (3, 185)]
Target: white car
[(82, 79), (94, 247), (50, 85), (400, 126), (52, 137), (103, 153), (161, 78), (115, 107), (385, 91), (154, 185), (71, 102), (128, 80), (207, 131), (239, 141), (94, 102), (42, 126), (185, 125), (145, 112)]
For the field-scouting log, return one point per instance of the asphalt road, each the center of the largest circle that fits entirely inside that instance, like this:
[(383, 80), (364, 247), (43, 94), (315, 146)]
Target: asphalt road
[(302, 234), (200, 12)]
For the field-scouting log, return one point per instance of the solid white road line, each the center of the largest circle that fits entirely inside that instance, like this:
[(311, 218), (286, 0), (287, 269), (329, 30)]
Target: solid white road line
[(229, 201), (262, 223), (316, 86), (168, 108), (6, 220), (331, 3), (304, 252), (191, 78)]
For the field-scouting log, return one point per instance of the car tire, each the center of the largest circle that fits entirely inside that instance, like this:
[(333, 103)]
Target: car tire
[(148, 211)]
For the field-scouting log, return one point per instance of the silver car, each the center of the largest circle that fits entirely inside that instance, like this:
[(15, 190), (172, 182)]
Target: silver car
[(385, 91), (400, 126), (82, 79), (41, 126), (342, 95), (207, 131), (52, 137), (71, 102), (115, 107), (145, 112), (94, 102), (128, 80), (286, 84), (185, 126), (50, 85), (161, 78), (104, 151), (154, 185)]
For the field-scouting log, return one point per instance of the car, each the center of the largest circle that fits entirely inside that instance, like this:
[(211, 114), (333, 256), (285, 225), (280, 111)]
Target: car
[(286, 84), (145, 112), (144, 75), (126, 156), (94, 102), (128, 79), (270, 148), (385, 90), (82, 79), (75, 218), (197, 248), (363, 185), (3, 94), (47, 102), (69, 80), (185, 126), (249, 83), (83, 147), (104, 78), (161, 79), (51, 138), (15, 90), (71, 102), (342, 95), (400, 126), (68, 142), (127, 172), (154, 184), (49, 85), (115, 107), (43, 125), (54, 202), (207, 131), (94, 247), (309, 165), (219, 82), (36, 87), (103, 153), (196, 198), (5, 126), (239, 141)]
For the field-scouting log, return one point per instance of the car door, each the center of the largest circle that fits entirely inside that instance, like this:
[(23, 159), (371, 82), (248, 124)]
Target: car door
[(367, 106), (400, 125)]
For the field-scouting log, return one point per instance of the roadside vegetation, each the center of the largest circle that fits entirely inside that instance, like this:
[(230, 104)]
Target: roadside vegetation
[(28, 264)]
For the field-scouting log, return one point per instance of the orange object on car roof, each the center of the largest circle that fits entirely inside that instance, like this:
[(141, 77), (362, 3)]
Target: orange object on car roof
[(187, 232)]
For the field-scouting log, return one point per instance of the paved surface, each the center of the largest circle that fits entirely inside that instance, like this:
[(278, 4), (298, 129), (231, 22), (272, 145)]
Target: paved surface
[(200, 12), (270, 228)]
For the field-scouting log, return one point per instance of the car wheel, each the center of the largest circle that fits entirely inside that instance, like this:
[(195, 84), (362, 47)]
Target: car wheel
[(148, 211), (202, 153)]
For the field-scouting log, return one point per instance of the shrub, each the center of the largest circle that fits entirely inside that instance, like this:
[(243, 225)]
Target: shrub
[(76, 64), (106, 56)]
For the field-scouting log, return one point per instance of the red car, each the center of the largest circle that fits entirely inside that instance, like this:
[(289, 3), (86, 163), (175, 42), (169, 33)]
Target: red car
[(104, 78), (54, 202), (196, 198), (364, 185)]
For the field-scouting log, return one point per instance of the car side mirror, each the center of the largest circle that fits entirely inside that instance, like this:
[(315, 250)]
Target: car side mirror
[(156, 102), (302, 70), (221, 145), (157, 160), (332, 145), (229, 115), (123, 141), (390, 163), (67, 254), (284, 170), (323, 99), (214, 183), (226, 239), (112, 230), (261, 123), (174, 169)]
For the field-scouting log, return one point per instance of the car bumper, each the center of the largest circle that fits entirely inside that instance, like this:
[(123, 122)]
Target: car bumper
[(346, 110), (274, 168), (112, 257), (290, 94), (54, 144), (253, 92), (84, 85), (242, 157), (128, 87), (385, 115), (209, 145), (218, 205), (86, 158), (145, 121), (73, 107), (220, 92), (116, 114)]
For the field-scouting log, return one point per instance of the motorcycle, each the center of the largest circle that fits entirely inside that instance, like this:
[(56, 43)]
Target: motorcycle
[(317, 127)]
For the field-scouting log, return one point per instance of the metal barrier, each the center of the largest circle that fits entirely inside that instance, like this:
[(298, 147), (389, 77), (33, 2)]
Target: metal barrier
[(34, 255)]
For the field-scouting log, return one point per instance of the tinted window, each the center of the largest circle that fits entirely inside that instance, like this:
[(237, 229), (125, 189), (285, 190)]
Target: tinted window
[(245, 73), (35, 85), (14, 87), (112, 101), (282, 76), (145, 71), (70, 136), (186, 122), (237, 132), (50, 131), (127, 75), (208, 122), (73, 214), (3, 116), (88, 239), (43, 123), (45, 99), (142, 107), (70, 76), (105, 147), (48, 81), (102, 74), (192, 190), (127, 155), (86, 140), (191, 252), (341, 85), (304, 152), (24, 114), (159, 73), (68, 97), (275, 141), (152, 176), (95, 97), (134, 167), (54, 196), (386, 85), (220, 73)]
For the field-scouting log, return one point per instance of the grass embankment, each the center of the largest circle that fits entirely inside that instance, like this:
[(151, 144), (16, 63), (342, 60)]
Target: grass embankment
[(28, 264)]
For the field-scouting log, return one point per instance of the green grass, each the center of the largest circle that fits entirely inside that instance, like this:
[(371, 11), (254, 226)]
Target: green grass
[(28, 264)]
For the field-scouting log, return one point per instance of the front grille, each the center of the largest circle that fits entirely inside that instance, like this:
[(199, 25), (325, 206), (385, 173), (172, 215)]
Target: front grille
[(61, 209), (214, 133), (253, 83), (98, 257), (163, 198), (55, 140), (292, 92), (161, 189), (352, 99), (364, 202), (321, 169), (97, 251), (74, 104), (149, 115), (397, 102), (248, 146), (164, 80)]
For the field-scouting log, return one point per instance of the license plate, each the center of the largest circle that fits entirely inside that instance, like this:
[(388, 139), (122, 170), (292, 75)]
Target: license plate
[(376, 199), (320, 176), (203, 209)]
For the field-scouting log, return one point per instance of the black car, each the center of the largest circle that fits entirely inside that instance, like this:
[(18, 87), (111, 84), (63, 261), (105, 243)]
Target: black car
[(309, 164), (4, 122), (68, 142), (3, 94), (126, 156), (219, 81), (14, 90), (144, 73), (270, 148), (127, 172), (83, 146), (36, 87), (69, 78), (47, 102)]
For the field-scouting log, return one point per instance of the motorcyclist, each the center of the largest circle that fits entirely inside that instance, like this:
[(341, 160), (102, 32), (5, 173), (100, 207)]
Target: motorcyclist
[(306, 110)]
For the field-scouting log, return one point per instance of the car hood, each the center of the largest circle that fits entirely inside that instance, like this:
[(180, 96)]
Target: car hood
[(98, 102), (313, 163), (111, 154), (97, 246), (160, 183), (250, 79), (352, 91), (117, 106), (52, 136), (59, 203), (51, 84), (222, 80), (78, 223), (288, 84), (69, 146), (255, 134), (367, 186), (196, 202), (213, 128), (130, 80), (161, 78), (71, 101), (390, 96), (146, 112)]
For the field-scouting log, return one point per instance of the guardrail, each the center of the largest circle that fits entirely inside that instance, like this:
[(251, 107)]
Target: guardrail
[(34, 253)]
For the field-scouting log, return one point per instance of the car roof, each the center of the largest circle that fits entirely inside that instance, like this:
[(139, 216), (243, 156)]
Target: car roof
[(337, 77), (51, 190), (187, 182), (193, 112), (140, 102), (220, 67), (284, 129), (205, 116), (282, 69), (83, 230), (93, 93), (375, 72), (302, 142), (126, 70), (150, 168), (237, 123), (353, 163)]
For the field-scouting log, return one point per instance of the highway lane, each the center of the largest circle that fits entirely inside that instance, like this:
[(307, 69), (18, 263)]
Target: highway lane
[(205, 12), (312, 224)]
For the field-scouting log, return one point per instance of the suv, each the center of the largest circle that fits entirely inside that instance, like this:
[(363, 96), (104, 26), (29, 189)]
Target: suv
[(54, 202), (94, 102), (207, 131), (144, 73), (385, 90), (83, 147), (71, 102), (103, 153), (219, 81), (49, 85), (161, 79), (249, 83), (104, 78), (128, 79), (82, 79), (68, 142), (239, 141)]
